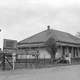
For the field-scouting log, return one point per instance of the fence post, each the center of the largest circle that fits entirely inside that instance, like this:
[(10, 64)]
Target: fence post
[(13, 60)]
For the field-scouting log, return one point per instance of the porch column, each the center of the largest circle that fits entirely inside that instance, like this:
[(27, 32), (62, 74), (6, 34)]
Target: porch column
[(78, 52), (67, 50), (61, 50), (75, 52), (72, 52)]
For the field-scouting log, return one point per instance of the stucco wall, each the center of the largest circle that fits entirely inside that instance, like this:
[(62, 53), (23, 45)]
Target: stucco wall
[(58, 53), (44, 54)]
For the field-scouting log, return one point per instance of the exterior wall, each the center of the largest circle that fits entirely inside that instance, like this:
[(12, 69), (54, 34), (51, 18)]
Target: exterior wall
[(44, 54), (59, 52), (25, 56)]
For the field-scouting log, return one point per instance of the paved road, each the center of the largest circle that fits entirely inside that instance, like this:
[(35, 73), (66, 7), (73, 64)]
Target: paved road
[(56, 73)]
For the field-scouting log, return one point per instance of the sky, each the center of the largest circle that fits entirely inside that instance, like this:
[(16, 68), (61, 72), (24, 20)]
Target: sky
[(20, 19)]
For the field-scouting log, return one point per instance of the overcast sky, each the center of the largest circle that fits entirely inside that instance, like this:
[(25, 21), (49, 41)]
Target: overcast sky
[(20, 19)]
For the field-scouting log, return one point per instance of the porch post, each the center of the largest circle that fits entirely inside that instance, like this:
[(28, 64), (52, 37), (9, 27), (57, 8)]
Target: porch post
[(72, 52), (78, 52), (67, 50), (75, 52), (61, 50)]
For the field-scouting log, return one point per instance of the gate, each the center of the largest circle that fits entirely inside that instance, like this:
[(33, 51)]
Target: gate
[(5, 61)]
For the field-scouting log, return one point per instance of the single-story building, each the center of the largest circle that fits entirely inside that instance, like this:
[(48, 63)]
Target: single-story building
[(66, 43)]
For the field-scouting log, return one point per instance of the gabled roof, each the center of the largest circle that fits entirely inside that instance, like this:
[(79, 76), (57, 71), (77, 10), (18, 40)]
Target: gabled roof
[(45, 35)]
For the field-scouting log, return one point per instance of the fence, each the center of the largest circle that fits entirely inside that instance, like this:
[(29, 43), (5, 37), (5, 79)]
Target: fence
[(6, 62), (31, 63)]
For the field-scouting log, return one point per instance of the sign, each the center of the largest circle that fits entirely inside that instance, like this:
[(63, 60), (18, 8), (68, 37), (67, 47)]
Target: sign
[(9, 46)]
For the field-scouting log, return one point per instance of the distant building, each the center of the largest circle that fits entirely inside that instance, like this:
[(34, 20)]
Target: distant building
[(66, 43)]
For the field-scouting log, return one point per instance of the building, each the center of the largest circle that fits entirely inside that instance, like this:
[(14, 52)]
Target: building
[(66, 43)]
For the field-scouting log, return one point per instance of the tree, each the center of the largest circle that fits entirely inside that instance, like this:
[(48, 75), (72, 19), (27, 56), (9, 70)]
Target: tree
[(51, 47)]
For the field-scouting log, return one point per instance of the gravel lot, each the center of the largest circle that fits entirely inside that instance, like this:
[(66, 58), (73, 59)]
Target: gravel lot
[(55, 73)]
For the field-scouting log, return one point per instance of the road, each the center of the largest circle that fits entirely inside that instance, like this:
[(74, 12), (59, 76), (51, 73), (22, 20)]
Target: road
[(55, 73)]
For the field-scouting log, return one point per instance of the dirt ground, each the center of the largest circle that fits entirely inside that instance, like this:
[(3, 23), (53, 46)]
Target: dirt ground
[(55, 73)]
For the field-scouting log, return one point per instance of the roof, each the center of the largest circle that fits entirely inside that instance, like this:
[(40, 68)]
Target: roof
[(45, 35)]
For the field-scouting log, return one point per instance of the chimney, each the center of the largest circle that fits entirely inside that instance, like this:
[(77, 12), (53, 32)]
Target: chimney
[(48, 27)]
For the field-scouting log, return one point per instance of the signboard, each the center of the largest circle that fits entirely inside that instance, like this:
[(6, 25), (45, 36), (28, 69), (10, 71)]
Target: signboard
[(9, 46)]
